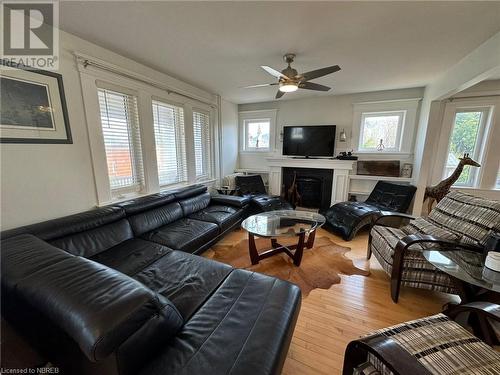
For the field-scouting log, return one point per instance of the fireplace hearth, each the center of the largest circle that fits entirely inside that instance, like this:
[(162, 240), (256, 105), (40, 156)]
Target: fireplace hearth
[(314, 186)]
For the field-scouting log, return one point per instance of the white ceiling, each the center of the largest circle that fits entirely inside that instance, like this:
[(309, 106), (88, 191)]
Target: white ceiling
[(219, 46)]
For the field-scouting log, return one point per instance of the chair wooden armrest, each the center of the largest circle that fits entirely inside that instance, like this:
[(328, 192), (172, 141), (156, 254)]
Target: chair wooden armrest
[(483, 309), (398, 360), (386, 214), (404, 243)]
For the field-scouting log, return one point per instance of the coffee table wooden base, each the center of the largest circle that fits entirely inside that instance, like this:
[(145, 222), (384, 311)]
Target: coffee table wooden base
[(293, 251)]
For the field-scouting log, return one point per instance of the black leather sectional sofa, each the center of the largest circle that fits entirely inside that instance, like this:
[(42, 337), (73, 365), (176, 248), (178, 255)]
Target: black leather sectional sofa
[(117, 290)]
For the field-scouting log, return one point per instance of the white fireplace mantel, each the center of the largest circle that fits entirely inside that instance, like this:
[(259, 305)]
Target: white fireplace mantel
[(341, 168)]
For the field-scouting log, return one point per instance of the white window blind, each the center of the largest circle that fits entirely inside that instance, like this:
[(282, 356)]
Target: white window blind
[(202, 145), (122, 141), (170, 143)]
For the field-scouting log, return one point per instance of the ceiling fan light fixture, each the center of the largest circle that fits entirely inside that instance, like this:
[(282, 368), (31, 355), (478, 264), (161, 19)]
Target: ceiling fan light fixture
[(288, 87)]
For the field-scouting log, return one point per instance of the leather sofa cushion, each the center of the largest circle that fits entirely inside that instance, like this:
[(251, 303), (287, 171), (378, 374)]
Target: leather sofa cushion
[(270, 203), (98, 307), (244, 328), (64, 226), (189, 191), (155, 218), (195, 203), (344, 217), (97, 240), (224, 216), (185, 279), (132, 256), (137, 205), (184, 234)]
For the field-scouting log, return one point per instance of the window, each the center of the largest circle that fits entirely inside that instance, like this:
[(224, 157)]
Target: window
[(497, 183), (466, 138), (381, 131), (122, 142), (168, 122), (202, 145), (257, 134)]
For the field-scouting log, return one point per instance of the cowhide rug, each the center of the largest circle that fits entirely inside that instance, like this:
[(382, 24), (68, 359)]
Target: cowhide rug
[(320, 267)]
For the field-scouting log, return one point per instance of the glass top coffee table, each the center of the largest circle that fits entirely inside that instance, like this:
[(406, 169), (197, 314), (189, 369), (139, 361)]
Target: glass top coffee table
[(465, 266), (282, 223)]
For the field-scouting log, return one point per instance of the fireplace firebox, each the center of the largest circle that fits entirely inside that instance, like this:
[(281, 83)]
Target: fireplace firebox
[(314, 186)]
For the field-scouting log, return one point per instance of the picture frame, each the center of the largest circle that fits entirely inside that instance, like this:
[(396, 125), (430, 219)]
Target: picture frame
[(32, 106)]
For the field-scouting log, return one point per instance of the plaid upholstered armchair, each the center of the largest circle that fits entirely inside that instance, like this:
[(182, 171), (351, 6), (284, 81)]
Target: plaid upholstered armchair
[(459, 220), (434, 345)]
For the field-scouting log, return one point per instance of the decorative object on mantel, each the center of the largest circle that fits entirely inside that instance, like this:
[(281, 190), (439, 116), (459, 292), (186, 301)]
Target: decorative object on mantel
[(320, 266), (380, 146), (32, 107), (407, 170), (346, 156), (388, 168), (342, 136), (437, 192)]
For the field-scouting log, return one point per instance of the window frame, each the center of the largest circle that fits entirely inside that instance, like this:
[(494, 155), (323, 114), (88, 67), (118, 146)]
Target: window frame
[(254, 116), (399, 132), (407, 130), (475, 176), (178, 105), (246, 122), (205, 177), (92, 78)]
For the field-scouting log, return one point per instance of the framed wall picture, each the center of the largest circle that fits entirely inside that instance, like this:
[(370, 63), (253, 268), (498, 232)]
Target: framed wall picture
[(32, 107)]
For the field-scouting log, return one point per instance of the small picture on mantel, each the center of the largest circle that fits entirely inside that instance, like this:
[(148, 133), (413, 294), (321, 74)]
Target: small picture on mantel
[(407, 170)]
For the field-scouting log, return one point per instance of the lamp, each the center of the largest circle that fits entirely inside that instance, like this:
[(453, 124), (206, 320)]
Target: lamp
[(288, 87)]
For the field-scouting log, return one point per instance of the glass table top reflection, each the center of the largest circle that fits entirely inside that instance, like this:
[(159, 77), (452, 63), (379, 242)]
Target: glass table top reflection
[(466, 266), (283, 223)]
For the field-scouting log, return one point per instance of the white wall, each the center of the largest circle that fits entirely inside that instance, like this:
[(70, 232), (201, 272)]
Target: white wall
[(229, 116), (44, 181), (477, 66), (325, 110)]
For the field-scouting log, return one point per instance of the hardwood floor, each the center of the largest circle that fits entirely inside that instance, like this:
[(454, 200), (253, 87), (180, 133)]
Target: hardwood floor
[(329, 319)]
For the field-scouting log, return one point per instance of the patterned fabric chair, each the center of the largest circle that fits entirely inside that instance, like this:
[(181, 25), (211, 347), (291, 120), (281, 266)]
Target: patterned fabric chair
[(459, 220), (432, 345)]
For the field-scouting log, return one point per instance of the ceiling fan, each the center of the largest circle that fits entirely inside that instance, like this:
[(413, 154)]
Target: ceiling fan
[(290, 80)]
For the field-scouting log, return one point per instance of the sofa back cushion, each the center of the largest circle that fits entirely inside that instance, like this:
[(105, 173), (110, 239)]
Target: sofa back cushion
[(148, 220), (472, 217), (194, 204), (96, 240), (85, 234)]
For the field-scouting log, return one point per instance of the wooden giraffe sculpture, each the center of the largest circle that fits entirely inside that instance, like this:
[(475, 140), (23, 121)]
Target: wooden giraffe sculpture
[(437, 192)]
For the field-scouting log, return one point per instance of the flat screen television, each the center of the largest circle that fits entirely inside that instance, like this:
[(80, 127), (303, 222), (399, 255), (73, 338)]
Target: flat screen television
[(309, 141)]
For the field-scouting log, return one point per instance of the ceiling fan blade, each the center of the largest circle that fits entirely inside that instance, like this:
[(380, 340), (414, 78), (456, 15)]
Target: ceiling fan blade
[(313, 86), (260, 85), (273, 72), (279, 94), (319, 72)]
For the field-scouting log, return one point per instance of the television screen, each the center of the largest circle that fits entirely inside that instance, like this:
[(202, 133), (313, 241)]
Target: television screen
[(309, 140)]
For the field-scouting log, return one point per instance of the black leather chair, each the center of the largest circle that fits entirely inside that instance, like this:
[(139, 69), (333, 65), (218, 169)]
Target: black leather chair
[(253, 187), (347, 218)]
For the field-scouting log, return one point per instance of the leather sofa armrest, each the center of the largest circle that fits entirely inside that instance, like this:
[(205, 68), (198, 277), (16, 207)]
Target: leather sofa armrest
[(98, 307), (231, 200)]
